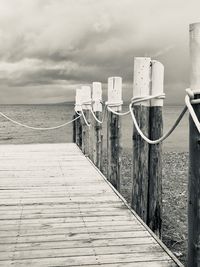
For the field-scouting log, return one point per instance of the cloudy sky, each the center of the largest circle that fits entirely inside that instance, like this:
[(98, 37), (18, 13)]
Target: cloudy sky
[(48, 48)]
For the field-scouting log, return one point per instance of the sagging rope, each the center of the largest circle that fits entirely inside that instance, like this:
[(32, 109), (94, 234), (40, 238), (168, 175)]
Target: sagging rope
[(136, 100), (103, 115), (93, 114), (110, 105), (189, 100), (154, 142), (38, 128), (85, 120)]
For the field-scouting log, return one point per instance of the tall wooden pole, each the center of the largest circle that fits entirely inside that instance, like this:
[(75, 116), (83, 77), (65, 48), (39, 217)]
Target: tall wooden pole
[(97, 127), (114, 145), (154, 216), (74, 128), (78, 139), (194, 155), (141, 87), (86, 106)]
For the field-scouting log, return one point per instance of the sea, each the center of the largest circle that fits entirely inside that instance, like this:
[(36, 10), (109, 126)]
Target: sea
[(55, 114)]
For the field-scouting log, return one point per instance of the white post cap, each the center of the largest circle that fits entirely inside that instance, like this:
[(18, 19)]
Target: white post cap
[(141, 78), (78, 100), (115, 93), (97, 96), (157, 82), (86, 97)]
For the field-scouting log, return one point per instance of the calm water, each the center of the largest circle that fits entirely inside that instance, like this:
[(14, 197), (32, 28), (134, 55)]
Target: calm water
[(52, 115)]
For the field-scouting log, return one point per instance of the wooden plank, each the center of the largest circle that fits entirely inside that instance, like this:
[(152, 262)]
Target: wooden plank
[(77, 218), (72, 214), (72, 236), (67, 230), (137, 241), (88, 260), (167, 263), (9, 230), (73, 252)]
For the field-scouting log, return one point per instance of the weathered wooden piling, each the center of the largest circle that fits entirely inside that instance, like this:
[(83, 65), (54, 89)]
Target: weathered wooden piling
[(154, 216), (97, 126), (141, 87), (147, 159), (86, 106), (74, 128), (194, 155), (78, 124), (114, 145)]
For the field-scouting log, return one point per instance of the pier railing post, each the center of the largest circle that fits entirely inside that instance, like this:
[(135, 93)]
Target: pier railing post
[(114, 146), (78, 124), (86, 106), (141, 87), (194, 154), (154, 220), (74, 128), (97, 127)]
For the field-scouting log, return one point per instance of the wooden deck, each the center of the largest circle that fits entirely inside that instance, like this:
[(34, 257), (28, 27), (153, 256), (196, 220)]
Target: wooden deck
[(57, 209)]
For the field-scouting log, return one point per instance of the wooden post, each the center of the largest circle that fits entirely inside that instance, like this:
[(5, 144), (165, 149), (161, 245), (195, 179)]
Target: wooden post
[(194, 155), (78, 124), (154, 217), (74, 128), (141, 87), (97, 127), (86, 101), (114, 146)]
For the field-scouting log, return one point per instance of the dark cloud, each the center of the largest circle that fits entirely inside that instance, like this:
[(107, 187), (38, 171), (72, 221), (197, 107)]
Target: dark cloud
[(63, 44)]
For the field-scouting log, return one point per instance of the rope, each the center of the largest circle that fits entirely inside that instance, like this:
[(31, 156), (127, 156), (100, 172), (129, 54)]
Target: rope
[(38, 128), (79, 114), (153, 142), (145, 98), (189, 100), (138, 99), (95, 117), (84, 118), (116, 104), (118, 113)]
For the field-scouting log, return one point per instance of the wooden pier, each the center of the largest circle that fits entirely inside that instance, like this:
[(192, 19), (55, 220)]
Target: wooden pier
[(57, 209)]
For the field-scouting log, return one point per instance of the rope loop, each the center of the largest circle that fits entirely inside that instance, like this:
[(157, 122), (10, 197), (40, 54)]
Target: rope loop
[(103, 116), (139, 99), (189, 100), (84, 118), (109, 106)]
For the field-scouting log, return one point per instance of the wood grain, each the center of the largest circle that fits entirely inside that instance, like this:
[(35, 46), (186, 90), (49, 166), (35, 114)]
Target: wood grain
[(58, 217), (114, 149)]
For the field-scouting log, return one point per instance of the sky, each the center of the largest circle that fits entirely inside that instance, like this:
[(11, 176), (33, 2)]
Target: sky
[(48, 48)]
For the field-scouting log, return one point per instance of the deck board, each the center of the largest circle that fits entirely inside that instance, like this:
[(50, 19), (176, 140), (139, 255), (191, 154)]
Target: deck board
[(57, 209)]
